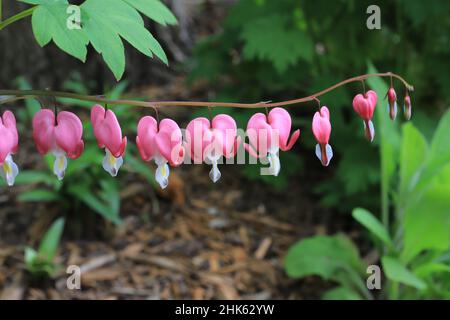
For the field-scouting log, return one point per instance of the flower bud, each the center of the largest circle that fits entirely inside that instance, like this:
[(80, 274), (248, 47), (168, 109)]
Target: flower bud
[(407, 107), (392, 98)]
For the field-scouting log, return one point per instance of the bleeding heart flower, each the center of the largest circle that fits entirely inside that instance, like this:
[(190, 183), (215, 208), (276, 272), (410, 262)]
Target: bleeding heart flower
[(321, 128), (268, 134), (407, 107), (61, 135), (392, 103), (209, 141), (9, 144), (365, 105), (108, 133), (163, 145)]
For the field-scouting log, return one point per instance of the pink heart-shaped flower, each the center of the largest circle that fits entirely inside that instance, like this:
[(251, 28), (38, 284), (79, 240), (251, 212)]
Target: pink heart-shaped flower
[(212, 139), (107, 131), (365, 104), (9, 138), (321, 125), (270, 133), (65, 133), (165, 141)]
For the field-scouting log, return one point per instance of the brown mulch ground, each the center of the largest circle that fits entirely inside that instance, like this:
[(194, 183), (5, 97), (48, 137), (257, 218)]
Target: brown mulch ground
[(196, 241)]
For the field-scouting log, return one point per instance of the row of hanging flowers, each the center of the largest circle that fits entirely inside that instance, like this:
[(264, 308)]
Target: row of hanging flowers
[(205, 141)]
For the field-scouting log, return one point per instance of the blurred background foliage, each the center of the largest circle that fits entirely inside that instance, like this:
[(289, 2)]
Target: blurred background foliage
[(287, 49), (290, 48)]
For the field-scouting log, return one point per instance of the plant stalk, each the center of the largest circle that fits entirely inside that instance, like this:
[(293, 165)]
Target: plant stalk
[(15, 18), (152, 104)]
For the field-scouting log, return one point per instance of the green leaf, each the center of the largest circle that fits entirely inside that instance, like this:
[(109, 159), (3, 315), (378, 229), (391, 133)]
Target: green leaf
[(104, 202), (107, 42), (49, 244), (429, 269), (439, 154), (269, 38), (49, 21), (427, 217), (138, 166), (30, 256), (125, 21), (368, 220), (155, 10), (92, 155), (38, 195), (413, 153), (104, 24), (395, 271), (324, 256), (440, 145), (341, 293), (31, 177), (107, 21)]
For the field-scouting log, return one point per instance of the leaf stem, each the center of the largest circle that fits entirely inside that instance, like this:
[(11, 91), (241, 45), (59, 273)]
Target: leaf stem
[(17, 17), (153, 104)]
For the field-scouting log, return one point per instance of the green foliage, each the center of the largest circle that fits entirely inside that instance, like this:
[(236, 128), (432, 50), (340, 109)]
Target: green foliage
[(415, 250), (413, 152), (341, 293), (104, 23), (106, 202), (290, 164), (270, 38), (84, 183), (368, 220), (49, 23), (250, 59), (323, 256), (397, 272), (42, 261), (330, 257)]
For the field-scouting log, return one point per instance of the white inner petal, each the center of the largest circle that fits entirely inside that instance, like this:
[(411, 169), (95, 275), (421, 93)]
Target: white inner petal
[(162, 172), (274, 162), (318, 152), (395, 109), (329, 152), (213, 158), (371, 129), (274, 148), (9, 170), (111, 164), (214, 174), (407, 111), (60, 164)]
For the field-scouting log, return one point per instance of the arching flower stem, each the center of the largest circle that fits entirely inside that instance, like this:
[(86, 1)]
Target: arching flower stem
[(21, 94)]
